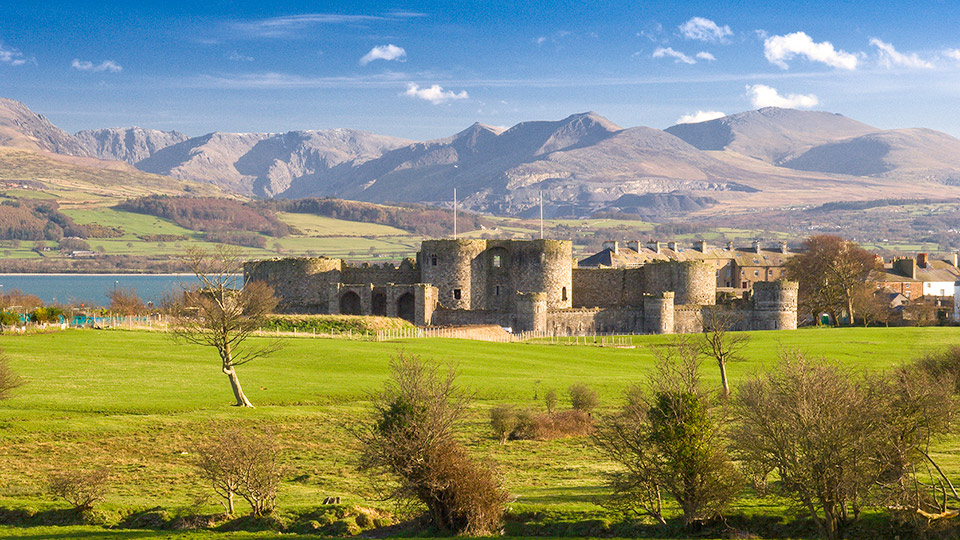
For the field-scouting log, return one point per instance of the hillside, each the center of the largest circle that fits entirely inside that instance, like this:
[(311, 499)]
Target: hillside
[(127, 144), (22, 128), (770, 134)]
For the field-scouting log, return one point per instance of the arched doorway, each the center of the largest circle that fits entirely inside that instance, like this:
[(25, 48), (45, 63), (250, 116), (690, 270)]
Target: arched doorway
[(350, 303), (406, 307), (379, 306)]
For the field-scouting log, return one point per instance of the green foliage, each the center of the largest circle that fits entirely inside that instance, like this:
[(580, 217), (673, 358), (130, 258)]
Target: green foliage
[(583, 398)]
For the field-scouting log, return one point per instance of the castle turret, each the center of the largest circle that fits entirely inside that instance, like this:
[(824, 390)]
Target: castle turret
[(774, 305), (450, 266), (658, 313), (531, 312)]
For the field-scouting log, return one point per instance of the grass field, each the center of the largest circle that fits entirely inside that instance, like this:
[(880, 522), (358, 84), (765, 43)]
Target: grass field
[(135, 402)]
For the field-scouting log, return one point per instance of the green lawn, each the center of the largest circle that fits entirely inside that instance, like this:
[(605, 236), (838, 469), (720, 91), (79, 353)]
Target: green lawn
[(135, 402)]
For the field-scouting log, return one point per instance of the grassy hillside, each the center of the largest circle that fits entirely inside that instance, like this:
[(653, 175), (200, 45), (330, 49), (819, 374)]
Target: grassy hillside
[(135, 402)]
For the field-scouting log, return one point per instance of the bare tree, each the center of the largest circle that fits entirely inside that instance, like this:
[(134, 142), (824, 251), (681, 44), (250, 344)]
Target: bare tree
[(238, 461), (828, 270), (223, 312), (83, 489), (410, 438), (125, 302), (720, 342)]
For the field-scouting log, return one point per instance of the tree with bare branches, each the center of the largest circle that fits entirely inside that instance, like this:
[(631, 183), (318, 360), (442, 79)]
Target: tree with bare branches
[(223, 312), (829, 270), (8, 379), (125, 302), (720, 342)]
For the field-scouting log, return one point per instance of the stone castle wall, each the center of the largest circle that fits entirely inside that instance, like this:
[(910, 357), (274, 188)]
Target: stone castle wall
[(607, 287), (692, 282), (301, 284)]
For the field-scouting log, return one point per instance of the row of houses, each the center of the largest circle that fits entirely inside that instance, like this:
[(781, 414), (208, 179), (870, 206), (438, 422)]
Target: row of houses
[(739, 268)]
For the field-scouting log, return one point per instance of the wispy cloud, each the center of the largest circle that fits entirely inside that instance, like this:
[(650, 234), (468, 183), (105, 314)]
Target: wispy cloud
[(952, 53), (702, 29), (678, 56), (890, 57), (274, 80), (106, 65), (384, 52), (237, 57), (434, 94), (291, 25), (762, 95), (700, 116), (780, 49), (540, 40), (704, 55), (11, 56)]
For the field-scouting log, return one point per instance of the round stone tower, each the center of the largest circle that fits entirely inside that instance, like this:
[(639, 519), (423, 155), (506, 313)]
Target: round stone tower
[(546, 266), (449, 265), (300, 284), (775, 305)]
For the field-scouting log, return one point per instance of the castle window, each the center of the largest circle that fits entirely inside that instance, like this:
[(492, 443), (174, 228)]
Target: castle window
[(563, 294), (497, 291), (496, 261), (456, 294), (756, 273), (433, 260)]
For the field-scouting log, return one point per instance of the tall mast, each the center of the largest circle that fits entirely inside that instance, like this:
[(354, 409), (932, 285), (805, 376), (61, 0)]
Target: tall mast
[(541, 215), (454, 213)]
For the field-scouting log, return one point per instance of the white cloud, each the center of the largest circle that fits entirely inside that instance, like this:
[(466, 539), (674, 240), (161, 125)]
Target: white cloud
[(779, 49), (952, 53), (679, 57), (700, 116), (762, 95), (384, 52), (11, 56), (704, 55), (106, 65), (702, 29), (540, 40), (889, 56), (435, 94), (237, 57)]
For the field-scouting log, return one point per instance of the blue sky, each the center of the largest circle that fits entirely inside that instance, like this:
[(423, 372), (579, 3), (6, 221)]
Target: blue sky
[(427, 69)]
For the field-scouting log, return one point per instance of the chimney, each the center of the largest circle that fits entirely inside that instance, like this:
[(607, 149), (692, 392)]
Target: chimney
[(612, 246), (729, 246), (653, 246), (634, 245), (700, 245), (953, 259), (922, 260), (672, 246), (906, 266), (783, 246), (756, 246)]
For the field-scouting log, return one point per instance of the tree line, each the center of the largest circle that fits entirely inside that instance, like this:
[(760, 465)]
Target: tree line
[(209, 214)]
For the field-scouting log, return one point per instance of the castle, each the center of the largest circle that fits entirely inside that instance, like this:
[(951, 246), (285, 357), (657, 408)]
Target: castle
[(524, 285)]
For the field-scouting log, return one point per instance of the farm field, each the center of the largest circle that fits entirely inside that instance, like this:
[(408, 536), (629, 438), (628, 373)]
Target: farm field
[(136, 403)]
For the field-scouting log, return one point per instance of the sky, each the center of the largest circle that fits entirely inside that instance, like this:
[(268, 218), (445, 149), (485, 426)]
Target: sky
[(428, 69)]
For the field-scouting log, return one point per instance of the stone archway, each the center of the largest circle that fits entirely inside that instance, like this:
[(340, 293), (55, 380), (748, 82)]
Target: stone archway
[(407, 307), (379, 304), (350, 304)]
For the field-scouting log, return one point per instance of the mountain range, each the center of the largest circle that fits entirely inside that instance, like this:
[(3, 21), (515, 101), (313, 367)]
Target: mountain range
[(581, 164)]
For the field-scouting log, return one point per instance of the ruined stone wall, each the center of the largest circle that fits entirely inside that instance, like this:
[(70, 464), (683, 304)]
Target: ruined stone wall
[(687, 319), (300, 284), (462, 317), (693, 282), (607, 287), (380, 274), (574, 322)]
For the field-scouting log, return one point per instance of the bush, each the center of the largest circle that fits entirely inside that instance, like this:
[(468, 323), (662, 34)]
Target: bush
[(83, 489), (583, 398), (503, 420), (238, 461), (410, 438), (550, 400)]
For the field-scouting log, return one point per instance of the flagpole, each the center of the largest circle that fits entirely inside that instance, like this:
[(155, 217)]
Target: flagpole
[(454, 213), (541, 215)]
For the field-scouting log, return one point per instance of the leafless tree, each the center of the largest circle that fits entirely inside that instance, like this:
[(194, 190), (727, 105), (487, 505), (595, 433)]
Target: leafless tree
[(410, 438), (238, 461), (125, 302), (720, 342), (828, 270), (81, 488), (223, 312)]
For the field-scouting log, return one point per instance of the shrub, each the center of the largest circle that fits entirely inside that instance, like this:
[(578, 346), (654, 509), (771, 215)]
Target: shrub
[(550, 400), (410, 437), (583, 398), (238, 461), (532, 425), (81, 488), (503, 420)]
